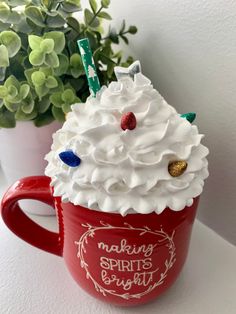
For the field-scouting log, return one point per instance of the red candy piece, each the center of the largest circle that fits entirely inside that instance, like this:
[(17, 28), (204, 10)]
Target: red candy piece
[(128, 121)]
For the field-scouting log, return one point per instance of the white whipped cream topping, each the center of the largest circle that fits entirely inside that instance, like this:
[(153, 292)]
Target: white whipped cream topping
[(127, 171)]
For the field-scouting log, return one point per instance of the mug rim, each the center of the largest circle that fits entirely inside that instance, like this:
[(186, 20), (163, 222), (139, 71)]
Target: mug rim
[(165, 211)]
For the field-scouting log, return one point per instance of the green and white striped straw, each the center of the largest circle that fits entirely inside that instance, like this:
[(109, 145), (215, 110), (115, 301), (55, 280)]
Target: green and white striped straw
[(89, 66)]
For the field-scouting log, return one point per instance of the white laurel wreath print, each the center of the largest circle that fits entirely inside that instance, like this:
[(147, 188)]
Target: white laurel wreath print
[(169, 262)]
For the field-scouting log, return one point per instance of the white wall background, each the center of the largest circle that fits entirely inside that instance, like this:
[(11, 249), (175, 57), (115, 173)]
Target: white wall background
[(188, 49)]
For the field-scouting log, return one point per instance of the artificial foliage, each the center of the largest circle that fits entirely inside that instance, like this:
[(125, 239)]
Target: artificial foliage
[(41, 72)]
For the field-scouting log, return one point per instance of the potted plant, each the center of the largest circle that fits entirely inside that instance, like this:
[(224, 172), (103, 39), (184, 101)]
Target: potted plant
[(41, 72)]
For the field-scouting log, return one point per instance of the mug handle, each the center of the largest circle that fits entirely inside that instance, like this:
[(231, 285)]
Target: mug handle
[(37, 188)]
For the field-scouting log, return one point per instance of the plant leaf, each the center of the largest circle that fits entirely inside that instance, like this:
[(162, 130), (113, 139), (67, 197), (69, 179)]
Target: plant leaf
[(41, 91), (78, 84), (73, 23), (105, 58), (75, 60), (28, 105), (4, 60), (51, 82), (56, 21), (110, 69), (77, 68), (88, 16), (12, 42), (37, 57), (35, 15), (122, 26), (38, 78), (58, 114), (47, 45), (4, 26), (72, 35), (59, 87), (14, 17), (125, 39), (3, 91), (28, 74), (68, 96), (24, 43), (12, 93), (46, 70), (34, 41), (71, 6), (132, 29), (22, 27), (18, 65), (4, 12), (105, 3), (44, 119), (20, 115), (24, 91), (63, 65), (2, 73), (104, 15), (93, 5), (7, 118), (12, 81), (46, 3), (52, 60), (74, 2), (16, 3), (114, 36), (33, 27), (92, 39), (11, 106), (72, 47), (90, 20), (43, 104), (59, 40), (56, 100), (76, 72), (66, 107)]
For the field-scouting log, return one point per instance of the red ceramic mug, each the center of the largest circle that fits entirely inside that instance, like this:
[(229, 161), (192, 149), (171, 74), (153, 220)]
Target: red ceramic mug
[(121, 260)]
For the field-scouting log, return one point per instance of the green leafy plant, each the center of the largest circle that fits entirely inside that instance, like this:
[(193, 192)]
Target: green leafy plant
[(41, 72)]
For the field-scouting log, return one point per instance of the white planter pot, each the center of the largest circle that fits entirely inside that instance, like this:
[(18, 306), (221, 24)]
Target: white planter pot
[(22, 152)]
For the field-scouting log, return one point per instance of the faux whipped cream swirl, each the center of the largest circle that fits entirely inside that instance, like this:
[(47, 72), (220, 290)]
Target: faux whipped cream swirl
[(127, 171)]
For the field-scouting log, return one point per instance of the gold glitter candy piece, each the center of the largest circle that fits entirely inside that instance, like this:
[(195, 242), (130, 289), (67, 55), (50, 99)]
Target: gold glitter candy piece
[(176, 168)]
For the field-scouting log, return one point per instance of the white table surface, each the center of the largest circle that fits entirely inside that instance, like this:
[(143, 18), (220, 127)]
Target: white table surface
[(36, 282)]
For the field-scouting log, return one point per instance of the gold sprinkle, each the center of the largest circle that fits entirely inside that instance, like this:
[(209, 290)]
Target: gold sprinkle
[(176, 168)]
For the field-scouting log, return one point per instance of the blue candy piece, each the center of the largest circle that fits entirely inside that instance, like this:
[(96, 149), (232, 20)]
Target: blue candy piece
[(190, 116), (70, 159)]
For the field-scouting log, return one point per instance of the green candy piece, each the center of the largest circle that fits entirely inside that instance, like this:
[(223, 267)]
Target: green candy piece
[(89, 66), (190, 116)]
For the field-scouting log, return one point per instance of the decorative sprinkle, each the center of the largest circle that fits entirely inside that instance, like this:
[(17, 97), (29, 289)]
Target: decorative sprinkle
[(70, 159), (128, 121), (190, 116), (133, 69), (176, 168)]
